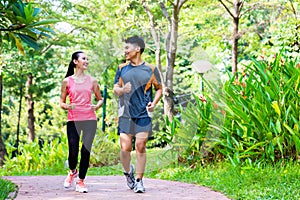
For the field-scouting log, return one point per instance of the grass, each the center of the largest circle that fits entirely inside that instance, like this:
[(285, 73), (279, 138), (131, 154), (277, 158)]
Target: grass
[(250, 182), (268, 182), (6, 187), (263, 182)]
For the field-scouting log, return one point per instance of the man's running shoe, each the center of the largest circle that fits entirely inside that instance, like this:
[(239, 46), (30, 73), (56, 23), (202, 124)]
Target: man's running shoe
[(130, 177), (80, 186), (70, 178), (139, 187)]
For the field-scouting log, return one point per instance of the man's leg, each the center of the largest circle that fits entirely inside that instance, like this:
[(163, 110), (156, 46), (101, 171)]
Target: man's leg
[(126, 147), (125, 157), (140, 147)]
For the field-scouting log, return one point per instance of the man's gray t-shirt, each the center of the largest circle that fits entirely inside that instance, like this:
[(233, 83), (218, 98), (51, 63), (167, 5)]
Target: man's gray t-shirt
[(141, 77)]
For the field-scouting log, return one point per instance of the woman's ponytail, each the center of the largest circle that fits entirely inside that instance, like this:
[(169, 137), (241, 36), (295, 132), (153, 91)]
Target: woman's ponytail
[(72, 65)]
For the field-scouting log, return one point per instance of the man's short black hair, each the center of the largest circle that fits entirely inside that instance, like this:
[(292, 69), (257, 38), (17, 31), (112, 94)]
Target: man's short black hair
[(137, 41)]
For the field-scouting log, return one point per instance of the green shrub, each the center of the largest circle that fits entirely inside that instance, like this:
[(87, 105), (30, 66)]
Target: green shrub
[(254, 119), (104, 151), (50, 157), (36, 159), (262, 112)]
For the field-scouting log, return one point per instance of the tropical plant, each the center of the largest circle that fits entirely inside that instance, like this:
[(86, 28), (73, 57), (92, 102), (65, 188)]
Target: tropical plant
[(36, 156), (19, 23), (253, 119)]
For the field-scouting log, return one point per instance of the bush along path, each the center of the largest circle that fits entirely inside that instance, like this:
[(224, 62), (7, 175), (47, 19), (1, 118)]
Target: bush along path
[(107, 187)]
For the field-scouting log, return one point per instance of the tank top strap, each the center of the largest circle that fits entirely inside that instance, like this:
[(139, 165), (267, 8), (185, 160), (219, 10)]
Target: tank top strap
[(88, 78), (70, 80)]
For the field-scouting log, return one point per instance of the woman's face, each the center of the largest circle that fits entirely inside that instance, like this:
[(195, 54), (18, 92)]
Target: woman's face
[(82, 62)]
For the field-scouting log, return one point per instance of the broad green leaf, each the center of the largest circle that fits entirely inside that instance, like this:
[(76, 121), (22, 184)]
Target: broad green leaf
[(28, 10), (36, 11), (18, 43), (279, 143), (18, 9), (44, 22), (44, 29), (29, 41), (255, 146), (297, 143), (276, 107), (21, 19), (278, 126)]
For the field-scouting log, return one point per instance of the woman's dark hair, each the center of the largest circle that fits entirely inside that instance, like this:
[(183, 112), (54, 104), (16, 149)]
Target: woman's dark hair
[(137, 41), (72, 65)]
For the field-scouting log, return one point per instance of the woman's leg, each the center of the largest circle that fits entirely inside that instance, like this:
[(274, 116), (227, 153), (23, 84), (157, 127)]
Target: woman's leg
[(73, 142), (88, 135)]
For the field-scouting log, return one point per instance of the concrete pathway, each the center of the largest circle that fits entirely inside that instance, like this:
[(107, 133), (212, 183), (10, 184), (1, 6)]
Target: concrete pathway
[(107, 188)]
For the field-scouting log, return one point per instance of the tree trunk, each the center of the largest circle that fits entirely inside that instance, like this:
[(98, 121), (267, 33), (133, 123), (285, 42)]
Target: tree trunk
[(171, 48), (19, 118), (235, 38), (237, 7), (3, 151), (156, 38), (30, 109)]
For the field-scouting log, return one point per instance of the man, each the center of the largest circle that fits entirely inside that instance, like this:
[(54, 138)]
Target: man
[(133, 85)]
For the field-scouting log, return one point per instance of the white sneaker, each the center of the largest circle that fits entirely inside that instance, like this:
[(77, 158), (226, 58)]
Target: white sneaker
[(70, 178), (139, 187), (80, 186), (130, 177)]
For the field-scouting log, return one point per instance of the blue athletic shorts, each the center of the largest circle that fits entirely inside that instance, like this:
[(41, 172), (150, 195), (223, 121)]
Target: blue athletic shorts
[(135, 125)]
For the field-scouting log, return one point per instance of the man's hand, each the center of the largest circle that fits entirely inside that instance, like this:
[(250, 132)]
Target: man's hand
[(150, 106), (127, 87)]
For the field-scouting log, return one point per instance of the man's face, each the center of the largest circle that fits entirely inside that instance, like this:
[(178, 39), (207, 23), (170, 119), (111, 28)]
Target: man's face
[(131, 51)]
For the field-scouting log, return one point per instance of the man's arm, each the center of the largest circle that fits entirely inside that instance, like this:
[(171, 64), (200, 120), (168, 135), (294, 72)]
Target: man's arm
[(151, 105), (119, 91)]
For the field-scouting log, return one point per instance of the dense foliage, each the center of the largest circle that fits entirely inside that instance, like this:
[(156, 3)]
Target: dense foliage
[(252, 119)]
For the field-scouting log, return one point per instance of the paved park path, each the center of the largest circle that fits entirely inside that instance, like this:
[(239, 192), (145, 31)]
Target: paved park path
[(108, 188)]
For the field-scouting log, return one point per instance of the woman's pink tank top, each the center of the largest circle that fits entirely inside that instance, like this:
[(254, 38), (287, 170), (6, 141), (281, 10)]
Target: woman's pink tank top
[(80, 95)]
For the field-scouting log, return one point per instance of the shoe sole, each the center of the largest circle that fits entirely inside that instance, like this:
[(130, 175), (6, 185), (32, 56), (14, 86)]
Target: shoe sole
[(80, 191), (139, 191)]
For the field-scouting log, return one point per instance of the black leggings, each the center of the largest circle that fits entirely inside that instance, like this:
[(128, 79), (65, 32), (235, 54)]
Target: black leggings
[(88, 129)]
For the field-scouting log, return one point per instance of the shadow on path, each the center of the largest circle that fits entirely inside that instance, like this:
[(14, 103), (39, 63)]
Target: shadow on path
[(108, 187)]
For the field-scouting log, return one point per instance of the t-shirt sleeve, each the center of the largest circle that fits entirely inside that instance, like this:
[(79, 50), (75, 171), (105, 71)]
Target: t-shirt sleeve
[(157, 81), (117, 76)]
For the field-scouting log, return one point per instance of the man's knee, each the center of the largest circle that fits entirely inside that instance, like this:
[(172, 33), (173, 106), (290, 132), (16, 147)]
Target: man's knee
[(140, 145), (126, 142)]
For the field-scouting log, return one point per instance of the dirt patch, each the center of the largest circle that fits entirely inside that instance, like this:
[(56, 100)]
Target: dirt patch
[(108, 187)]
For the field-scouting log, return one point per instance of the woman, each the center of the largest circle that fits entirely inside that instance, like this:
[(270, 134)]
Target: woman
[(81, 116)]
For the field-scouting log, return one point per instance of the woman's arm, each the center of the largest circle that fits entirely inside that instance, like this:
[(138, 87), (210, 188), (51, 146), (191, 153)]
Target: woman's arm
[(96, 89), (63, 94)]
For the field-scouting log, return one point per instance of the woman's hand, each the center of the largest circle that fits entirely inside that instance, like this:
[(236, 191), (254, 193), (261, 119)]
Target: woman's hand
[(96, 107), (69, 106)]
